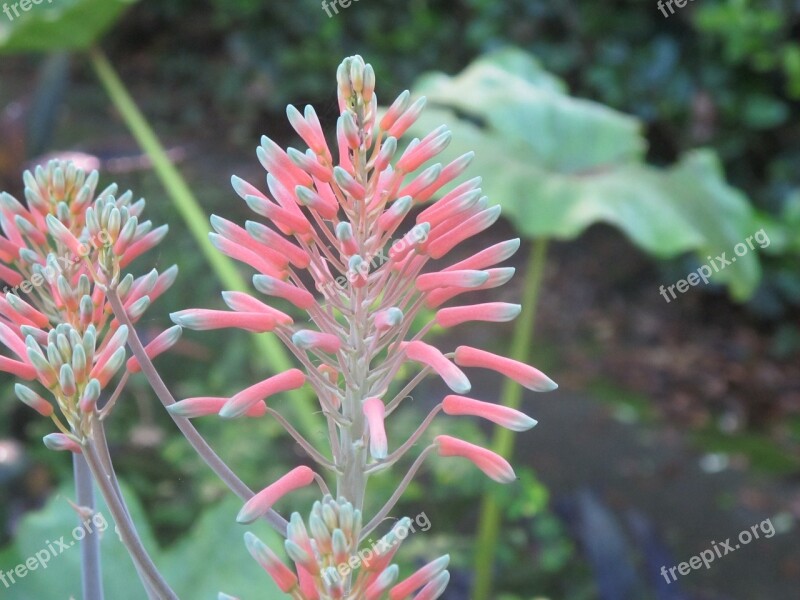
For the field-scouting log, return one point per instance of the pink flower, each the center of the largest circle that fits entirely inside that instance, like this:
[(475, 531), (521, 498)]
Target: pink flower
[(280, 573), (259, 504), (502, 415), (531, 378), (494, 465)]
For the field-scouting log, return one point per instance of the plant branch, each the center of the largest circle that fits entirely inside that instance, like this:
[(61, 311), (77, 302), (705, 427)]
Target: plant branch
[(91, 570)]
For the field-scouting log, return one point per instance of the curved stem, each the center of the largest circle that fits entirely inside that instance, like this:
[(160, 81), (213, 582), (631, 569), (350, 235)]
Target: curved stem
[(197, 442), (304, 444), (91, 571), (503, 443), (376, 520), (127, 530)]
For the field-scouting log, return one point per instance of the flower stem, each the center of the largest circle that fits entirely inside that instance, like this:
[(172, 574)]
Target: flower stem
[(91, 571), (197, 221), (126, 528), (191, 434), (503, 440)]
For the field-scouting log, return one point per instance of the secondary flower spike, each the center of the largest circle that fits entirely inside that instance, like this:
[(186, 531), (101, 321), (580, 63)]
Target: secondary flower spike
[(344, 273)]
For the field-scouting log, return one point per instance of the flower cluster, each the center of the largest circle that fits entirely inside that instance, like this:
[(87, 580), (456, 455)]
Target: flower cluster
[(61, 253), (325, 221)]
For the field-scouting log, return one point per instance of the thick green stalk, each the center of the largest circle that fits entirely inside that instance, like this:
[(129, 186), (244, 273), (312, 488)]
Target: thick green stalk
[(503, 440), (196, 220)]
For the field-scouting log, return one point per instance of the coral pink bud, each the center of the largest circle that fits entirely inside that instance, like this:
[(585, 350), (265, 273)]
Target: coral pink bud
[(428, 355), (241, 302), (461, 279), (435, 588), (206, 405), (231, 231), (275, 287), (239, 404), (10, 276), (488, 257), (407, 119), (416, 235), (307, 585), (21, 369), (34, 400), (242, 254), (203, 319), (348, 184), (406, 587), (344, 233), (63, 235), (441, 211), (61, 443), (164, 282), (280, 573), (493, 312), (497, 277), (388, 148), (388, 318), (398, 107), (448, 174), (375, 411), (494, 465), (310, 164), (316, 202), (431, 145), (27, 311), (288, 222), (165, 340), (277, 162), (307, 339), (264, 235), (309, 131), (525, 375), (376, 589), (143, 244), (421, 181), (391, 218), (12, 341), (262, 502), (9, 251), (472, 226), (496, 413)]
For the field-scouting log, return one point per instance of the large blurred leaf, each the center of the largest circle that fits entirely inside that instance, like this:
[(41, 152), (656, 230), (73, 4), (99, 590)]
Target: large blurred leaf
[(210, 559), (58, 24), (559, 164)]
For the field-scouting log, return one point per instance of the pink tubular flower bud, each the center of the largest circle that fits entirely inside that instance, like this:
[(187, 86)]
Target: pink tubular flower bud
[(309, 131), (165, 340), (405, 588), (375, 411), (267, 237), (281, 289), (241, 302), (525, 375), (143, 244), (207, 405), (494, 465), (23, 370), (448, 174), (461, 279), (406, 119), (428, 355), (493, 312), (431, 145), (497, 277), (239, 404), (280, 573), (502, 415), (435, 588), (262, 502), (308, 339), (62, 443), (34, 400), (245, 255), (202, 319), (475, 224)]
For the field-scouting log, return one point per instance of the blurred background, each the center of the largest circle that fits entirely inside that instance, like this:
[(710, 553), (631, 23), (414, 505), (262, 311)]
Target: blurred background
[(628, 149)]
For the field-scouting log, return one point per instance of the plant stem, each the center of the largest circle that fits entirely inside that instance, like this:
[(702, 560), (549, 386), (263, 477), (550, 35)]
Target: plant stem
[(196, 220), (503, 440), (91, 571), (191, 434), (127, 531)]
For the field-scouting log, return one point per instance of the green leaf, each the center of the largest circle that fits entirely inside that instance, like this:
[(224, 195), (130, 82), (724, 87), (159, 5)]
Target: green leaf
[(50, 25), (559, 165), (211, 558)]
